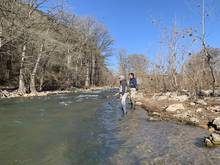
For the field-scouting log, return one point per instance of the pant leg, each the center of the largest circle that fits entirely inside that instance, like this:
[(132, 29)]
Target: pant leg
[(123, 102), (133, 93)]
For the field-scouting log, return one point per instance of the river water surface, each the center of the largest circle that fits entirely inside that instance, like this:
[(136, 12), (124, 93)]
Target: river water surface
[(88, 128)]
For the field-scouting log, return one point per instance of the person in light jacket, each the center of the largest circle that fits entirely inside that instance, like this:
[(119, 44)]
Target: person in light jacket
[(123, 91)]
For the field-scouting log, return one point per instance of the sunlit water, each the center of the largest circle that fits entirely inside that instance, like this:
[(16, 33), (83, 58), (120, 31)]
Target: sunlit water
[(88, 128)]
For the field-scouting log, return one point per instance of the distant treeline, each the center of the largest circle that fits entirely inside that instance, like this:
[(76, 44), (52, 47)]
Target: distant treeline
[(49, 51), (177, 68)]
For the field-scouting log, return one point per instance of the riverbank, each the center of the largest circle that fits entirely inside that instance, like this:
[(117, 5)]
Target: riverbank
[(4, 94), (180, 108)]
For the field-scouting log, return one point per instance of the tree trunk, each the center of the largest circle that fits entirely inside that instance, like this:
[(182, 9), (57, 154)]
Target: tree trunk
[(69, 60), (208, 60), (93, 71), (76, 74), (41, 80), (213, 78), (22, 88), (1, 35), (33, 74), (87, 80)]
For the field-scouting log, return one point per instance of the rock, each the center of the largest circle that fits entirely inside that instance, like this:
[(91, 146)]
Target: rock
[(200, 110), (162, 98), (157, 94), (175, 107), (156, 114), (182, 98), (139, 103), (184, 92), (192, 104), (168, 94), (206, 93), (217, 92), (217, 98), (208, 142), (211, 130), (201, 102), (216, 122), (183, 115), (153, 119), (4, 93), (194, 120), (214, 108), (174, 94), (213, 139), (138, 96)]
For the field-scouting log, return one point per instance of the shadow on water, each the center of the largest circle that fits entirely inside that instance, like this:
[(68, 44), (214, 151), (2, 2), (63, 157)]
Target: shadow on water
[(199, 142)]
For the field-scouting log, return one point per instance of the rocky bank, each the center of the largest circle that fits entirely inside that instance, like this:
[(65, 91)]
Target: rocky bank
[(13, 94), (183, 108)]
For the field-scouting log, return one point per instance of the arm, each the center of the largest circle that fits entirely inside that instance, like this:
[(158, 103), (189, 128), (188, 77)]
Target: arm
[(135, 84)]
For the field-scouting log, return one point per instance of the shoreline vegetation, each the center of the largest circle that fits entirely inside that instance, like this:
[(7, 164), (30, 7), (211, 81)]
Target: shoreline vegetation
[(48, 50)]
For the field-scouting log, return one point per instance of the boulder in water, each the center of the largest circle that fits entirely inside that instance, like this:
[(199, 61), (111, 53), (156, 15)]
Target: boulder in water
[(216, 123), (212, 140)]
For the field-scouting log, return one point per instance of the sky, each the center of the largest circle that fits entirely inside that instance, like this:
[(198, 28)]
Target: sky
[(130, 22)]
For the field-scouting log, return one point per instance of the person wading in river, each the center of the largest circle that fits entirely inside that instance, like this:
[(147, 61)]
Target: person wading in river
[(123, 93), (133, 89)]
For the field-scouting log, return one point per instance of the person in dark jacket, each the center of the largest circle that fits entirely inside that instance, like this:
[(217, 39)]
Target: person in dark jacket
[(123, 91), (133, 89)]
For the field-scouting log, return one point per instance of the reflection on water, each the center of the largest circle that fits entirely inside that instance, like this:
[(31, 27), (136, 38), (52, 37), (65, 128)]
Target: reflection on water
[(88, 129)]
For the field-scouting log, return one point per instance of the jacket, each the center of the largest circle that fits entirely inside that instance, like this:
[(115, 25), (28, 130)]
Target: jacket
[(133, 83), (123, 87)]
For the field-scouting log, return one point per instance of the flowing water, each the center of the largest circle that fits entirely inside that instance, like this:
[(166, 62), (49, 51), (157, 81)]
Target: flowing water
[(88, 128)]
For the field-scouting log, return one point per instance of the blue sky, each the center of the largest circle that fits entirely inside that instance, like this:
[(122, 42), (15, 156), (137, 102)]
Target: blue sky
[(130, 21)]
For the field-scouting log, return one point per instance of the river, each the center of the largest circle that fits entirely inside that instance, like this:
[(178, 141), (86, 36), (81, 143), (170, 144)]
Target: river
[(88, 128)]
